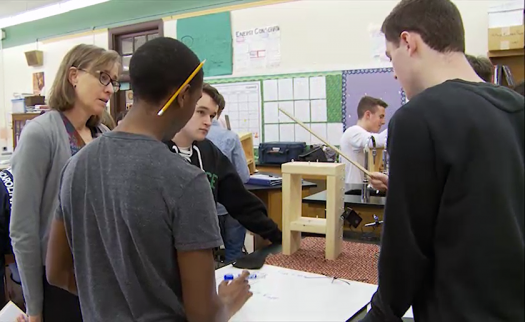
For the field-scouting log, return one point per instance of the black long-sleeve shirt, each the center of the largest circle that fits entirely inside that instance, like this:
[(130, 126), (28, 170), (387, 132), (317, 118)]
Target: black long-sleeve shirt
[(453, 235), (228, 189)]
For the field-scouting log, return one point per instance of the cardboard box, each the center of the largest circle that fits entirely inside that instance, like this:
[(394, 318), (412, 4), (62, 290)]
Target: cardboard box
[(506, 38)]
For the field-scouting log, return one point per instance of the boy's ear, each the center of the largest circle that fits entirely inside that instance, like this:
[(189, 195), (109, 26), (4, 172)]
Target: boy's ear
[(183, 95)]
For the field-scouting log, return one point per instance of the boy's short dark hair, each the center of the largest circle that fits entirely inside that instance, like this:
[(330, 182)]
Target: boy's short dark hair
[(520, 88), (437, 21), (369, 103), (482, 66), (215, 95), (161, 66)]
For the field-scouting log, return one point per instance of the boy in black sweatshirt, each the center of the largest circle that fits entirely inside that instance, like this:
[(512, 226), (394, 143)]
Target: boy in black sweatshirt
[(227, 187), (453, 235)]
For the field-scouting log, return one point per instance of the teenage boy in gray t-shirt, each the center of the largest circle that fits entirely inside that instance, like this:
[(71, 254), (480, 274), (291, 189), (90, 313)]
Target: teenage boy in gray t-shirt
[(142, 223)]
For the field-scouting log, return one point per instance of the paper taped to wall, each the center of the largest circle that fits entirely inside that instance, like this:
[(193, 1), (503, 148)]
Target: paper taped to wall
[(257, 48), (378, 45)]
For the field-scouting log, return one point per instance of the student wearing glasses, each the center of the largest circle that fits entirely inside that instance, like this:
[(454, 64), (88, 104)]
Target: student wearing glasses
[(85, 81)]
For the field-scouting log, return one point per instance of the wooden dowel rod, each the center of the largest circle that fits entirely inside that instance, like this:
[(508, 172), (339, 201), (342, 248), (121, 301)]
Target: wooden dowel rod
[(360, 167), (228, 125)]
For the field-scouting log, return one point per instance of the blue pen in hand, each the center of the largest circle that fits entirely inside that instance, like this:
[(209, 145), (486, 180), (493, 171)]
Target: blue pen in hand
[(230, 277)]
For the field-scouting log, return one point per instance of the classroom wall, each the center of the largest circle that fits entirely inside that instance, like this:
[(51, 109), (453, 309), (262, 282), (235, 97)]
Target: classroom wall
[(333, 34), (315, 36)]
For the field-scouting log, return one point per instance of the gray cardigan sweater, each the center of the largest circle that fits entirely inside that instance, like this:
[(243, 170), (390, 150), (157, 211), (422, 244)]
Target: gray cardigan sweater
[(40, 155)]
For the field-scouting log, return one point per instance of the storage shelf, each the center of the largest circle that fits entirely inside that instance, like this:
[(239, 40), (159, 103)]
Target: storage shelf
[(506, 53)]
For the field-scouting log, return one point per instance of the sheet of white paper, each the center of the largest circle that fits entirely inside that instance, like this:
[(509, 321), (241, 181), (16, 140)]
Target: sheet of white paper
[(378, 45), (234, 116), (302, 135), (271, 133), (281, 294), (270, 90), (254, 125), (253, 107), (285, 89), (318, 87), (234, 124), (243, 106), (232, 106), (10, 312), (334, 133), (301, 88), (286, 132), (273, 49), (257, 48), (271, 113), (319, 129), (319, 110), (232, 98), (288, 108), (302, 110), (243, 97)]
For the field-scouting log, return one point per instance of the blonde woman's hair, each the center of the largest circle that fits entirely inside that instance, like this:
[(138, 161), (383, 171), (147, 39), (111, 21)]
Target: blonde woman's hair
[(107, 120), (83, 56)]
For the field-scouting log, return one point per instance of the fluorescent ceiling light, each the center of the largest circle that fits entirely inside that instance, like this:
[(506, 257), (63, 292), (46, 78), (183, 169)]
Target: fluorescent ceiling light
[(47, 11)]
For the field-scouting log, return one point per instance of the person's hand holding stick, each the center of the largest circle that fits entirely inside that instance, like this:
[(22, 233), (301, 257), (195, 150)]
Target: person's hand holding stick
[(379, 181)]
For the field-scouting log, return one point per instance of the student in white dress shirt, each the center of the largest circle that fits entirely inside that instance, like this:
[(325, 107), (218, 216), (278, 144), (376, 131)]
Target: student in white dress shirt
[(371, 117)]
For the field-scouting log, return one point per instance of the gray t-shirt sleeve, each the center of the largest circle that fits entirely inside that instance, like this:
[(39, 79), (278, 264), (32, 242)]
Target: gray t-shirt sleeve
[(195, 222)]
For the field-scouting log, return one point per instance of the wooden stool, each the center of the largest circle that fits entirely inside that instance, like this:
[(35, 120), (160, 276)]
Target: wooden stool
[(294, 223)]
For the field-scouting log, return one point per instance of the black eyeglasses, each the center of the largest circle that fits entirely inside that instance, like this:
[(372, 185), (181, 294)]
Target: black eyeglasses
[(105, 79)]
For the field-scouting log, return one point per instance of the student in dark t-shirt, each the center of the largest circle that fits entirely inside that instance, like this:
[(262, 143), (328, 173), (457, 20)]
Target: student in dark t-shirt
[(141, 221), (452, 244)]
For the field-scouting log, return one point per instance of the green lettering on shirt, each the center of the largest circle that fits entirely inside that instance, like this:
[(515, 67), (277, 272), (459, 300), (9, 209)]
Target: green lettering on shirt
[(212, 177)]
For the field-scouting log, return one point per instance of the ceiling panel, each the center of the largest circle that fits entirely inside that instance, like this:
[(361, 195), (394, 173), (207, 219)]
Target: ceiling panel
[(13, 7)]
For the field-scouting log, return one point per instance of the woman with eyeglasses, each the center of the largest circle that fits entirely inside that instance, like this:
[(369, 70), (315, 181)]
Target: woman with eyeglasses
[(84, 83)]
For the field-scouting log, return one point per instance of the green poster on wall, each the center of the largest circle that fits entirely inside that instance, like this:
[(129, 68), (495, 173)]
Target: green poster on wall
[(210, 37)]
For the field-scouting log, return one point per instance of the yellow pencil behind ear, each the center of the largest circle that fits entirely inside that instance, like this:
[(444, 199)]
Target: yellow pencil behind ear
[(168, 103)]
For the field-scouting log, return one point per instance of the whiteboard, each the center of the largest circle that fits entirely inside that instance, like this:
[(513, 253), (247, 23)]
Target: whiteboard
[(281, 294), (243, 107)]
